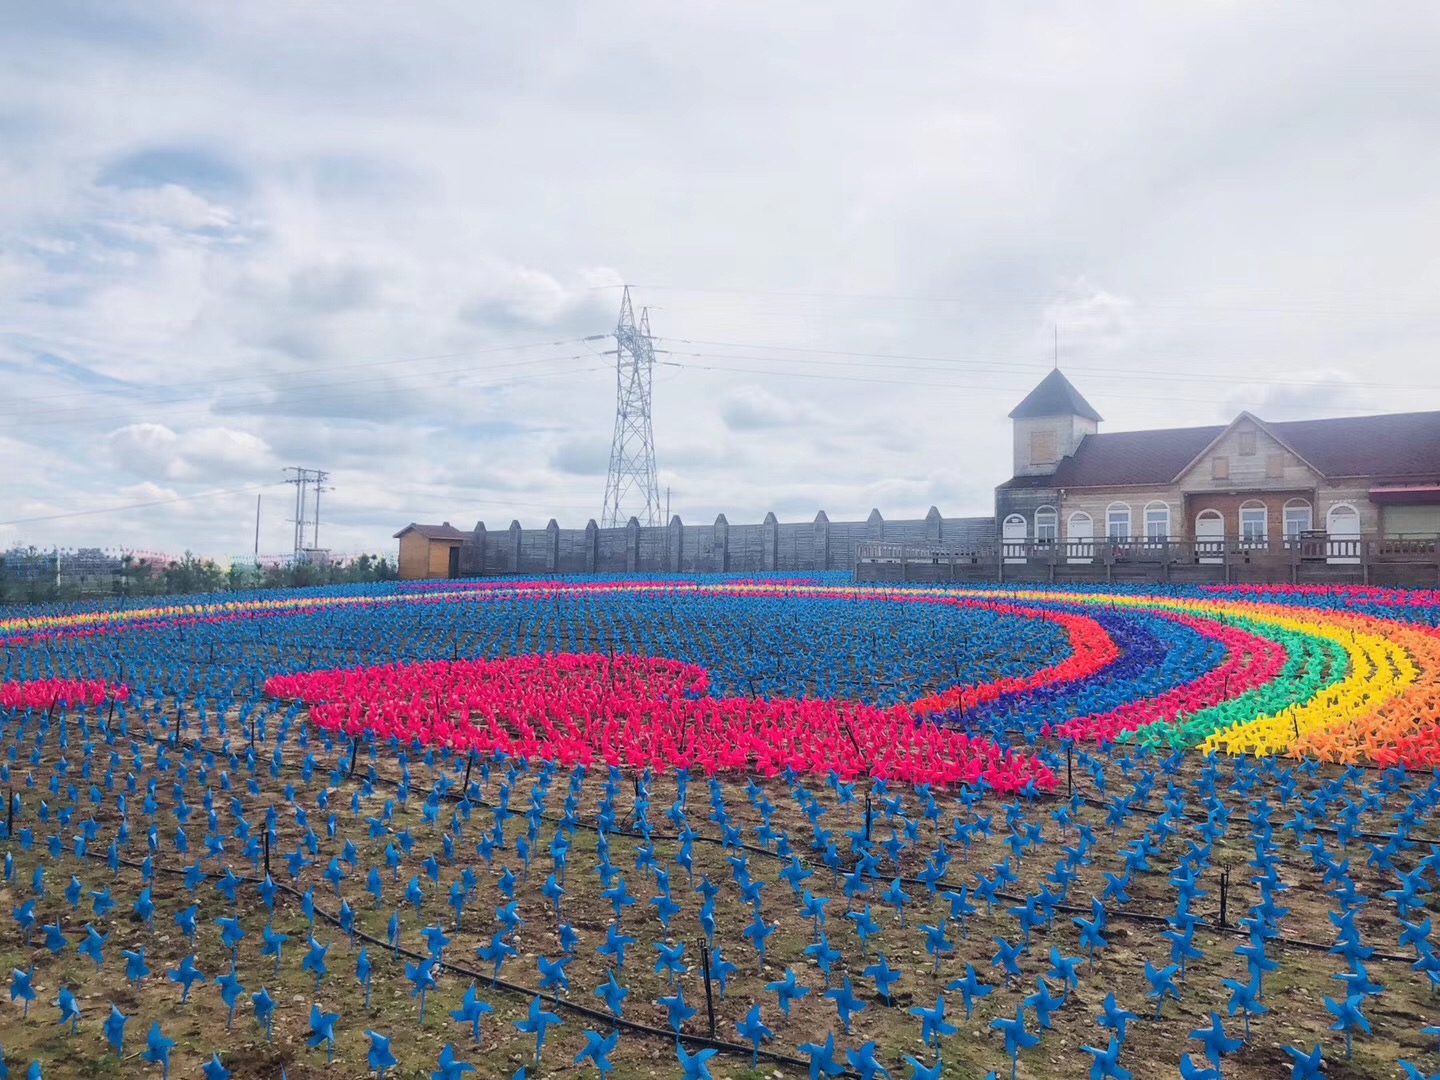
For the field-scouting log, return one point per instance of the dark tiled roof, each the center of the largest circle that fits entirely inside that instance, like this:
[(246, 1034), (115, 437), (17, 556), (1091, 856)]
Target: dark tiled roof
[(1382, 447), (1120, 458), (1054, 397), (1394, 447), (433, 532)]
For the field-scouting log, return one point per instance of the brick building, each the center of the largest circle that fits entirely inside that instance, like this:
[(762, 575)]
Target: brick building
[(1251, 482)]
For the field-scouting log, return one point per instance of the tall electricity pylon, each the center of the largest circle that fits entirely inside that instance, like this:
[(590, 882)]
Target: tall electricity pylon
[(631, 481)]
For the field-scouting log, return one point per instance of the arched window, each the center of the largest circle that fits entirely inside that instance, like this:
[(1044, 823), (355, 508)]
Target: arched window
[(1254, 524), (1117, 521), (1047, 525), (1299, 518), (1014, 529), (1157, 522)]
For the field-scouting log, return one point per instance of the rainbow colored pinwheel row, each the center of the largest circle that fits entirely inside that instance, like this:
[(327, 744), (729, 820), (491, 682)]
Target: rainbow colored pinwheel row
[(1345, 675)]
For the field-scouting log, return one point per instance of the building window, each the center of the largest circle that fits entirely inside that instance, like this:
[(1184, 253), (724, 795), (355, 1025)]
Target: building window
[(1247, 442), (1117, 521), (1157, 523), (1047, 525), (1298, 518), (1220, 468), (1043, 448), (1254, 524), (1275, 466)]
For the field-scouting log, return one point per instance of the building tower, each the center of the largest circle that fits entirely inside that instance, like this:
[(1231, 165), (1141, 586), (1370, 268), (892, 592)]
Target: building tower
[(1049, 424), (631, 488)]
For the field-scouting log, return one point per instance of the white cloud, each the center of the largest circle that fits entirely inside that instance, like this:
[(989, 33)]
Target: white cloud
[(367, 240), (198, 455)]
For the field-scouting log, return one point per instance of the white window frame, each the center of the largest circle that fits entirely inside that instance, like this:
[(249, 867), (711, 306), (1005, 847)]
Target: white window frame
[(1248, 535), (1113, 511), (1291, 517), (1153, 536), (1047, 525)]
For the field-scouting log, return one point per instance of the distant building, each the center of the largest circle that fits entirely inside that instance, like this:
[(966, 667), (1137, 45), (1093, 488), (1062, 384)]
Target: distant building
[(429, 551), (1246, 483)]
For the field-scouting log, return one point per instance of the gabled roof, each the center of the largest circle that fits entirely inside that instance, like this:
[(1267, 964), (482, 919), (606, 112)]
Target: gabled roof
[(445, 531), (1399, 446), (1054, 396), (1260, 425)]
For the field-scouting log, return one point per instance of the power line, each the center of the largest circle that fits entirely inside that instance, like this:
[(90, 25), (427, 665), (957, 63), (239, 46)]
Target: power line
[(205, 409), (1029, 303), (972, 388), (258, 399), (144, 505), (307, 369)]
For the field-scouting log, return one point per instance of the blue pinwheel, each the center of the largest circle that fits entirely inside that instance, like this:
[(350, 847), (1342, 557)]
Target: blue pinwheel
[(471, 1010), (187, 975), (450, 1067), (1244, 998), (1106, 1062), (114, 1030), (598, 1049), (537, 1022), (787, 990), (380, 1057), (696, 1066), (1348, 1018), (1162, 984), (363, 972), (264, 1006), (1016, 1037), (753, 1030), (862, 1060), (157, 1049), (822, 1058), (69, 1008), (612, 994), (230, 991), (1215, 1042), (322, 1029), (933, 1025), (884, 977), (846, 1003)]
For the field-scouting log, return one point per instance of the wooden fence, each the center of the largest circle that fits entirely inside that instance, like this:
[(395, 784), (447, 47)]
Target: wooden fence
[(1372, 559)]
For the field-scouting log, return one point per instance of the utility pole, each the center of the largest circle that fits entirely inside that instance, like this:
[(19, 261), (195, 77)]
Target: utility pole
[(631, 479), (257, 529), (305, 481)]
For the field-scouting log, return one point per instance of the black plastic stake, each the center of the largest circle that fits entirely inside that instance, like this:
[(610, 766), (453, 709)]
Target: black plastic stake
[(709, 997), (10, 813), (1224, 897), (267, 852), (867, 817), (1070, 767), (354, 750)]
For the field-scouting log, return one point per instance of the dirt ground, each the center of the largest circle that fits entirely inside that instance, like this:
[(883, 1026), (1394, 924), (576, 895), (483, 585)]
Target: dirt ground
[(1294, 994)]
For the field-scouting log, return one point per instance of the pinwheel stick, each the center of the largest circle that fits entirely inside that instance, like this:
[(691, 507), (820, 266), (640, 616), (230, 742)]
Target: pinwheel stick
[(709, 997)]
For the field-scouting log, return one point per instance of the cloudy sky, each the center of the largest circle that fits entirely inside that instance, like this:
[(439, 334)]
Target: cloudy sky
[(371, 237)]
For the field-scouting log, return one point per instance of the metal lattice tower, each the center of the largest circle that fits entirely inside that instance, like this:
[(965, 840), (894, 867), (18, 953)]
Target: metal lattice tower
[(631, 480), (308, 483)]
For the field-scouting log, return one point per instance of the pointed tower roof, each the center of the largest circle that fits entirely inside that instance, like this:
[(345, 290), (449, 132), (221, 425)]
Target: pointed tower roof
[(1055, 396)]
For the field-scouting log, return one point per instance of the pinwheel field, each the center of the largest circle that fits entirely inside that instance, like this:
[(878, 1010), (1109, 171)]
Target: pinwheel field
[(723, 827)]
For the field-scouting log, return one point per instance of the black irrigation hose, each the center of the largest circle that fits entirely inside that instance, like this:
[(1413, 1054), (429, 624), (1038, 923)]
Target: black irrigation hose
[(702, 1041)]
